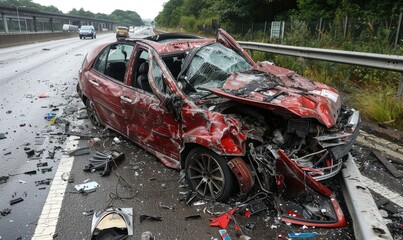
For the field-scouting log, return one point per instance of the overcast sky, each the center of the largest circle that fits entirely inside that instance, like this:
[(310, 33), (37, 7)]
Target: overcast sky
[(146, 9)]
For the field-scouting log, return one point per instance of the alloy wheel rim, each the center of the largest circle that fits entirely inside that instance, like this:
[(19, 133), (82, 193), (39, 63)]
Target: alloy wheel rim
[(206, 175)]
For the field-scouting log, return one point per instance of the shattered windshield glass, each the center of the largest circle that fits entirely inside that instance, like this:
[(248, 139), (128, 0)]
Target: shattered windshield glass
[(212, 64)]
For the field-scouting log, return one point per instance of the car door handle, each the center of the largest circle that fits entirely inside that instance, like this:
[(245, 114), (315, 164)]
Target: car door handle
[(126, 99), (94, 82)]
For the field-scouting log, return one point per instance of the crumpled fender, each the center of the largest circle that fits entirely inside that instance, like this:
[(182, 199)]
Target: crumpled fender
[(220, 134)]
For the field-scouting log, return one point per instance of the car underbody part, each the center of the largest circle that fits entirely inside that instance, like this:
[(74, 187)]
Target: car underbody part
[(113, 223), (104, 161)]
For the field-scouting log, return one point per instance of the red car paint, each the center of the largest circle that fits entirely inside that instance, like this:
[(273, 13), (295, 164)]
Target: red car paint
[(167, 121)]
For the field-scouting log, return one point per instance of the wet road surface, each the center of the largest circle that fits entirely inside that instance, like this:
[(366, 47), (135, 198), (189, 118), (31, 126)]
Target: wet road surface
[(28, 71)]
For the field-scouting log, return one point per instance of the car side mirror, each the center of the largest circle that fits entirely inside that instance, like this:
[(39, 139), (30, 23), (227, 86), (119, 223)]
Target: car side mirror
[(174, 104)]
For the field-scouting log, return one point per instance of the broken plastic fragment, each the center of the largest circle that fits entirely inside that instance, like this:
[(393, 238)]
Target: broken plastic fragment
[(43, 95), (302, 235), (5, 212), (145, 217), (222, 220), (224, 234), (15, 201), (3, 179), (104, 161), (2, 136), (87, 186), (80, 151), (197, 216)]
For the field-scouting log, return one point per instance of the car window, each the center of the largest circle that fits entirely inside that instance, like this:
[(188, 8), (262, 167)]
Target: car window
[(159, 79), (113, 61), (100, 63), (212, 64), (140, 70)]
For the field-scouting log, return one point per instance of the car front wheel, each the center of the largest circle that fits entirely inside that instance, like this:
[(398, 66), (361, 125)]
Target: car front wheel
[(209, 175), (92, 113)]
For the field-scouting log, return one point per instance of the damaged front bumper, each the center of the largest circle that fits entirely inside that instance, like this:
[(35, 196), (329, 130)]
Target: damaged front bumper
[(338, 145)]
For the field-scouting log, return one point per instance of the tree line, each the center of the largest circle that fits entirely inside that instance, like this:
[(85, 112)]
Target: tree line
[(188, 13), (129, 17)]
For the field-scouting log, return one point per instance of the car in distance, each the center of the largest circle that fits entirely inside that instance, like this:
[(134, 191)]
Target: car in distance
[(122, 32), (87, 31), (235, 126)]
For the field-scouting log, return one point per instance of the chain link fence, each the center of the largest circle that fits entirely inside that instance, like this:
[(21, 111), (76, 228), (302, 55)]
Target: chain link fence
[(343, 33)]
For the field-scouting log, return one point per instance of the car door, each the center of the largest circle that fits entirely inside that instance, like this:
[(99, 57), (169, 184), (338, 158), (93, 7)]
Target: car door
[(227, 40), (151, 125), (107, 84)]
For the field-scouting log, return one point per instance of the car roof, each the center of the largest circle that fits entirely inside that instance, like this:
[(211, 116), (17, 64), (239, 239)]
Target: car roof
[(173, 42)]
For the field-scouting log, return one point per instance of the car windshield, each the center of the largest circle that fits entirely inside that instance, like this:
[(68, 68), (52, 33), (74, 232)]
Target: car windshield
[(212, 64), (86, 28)]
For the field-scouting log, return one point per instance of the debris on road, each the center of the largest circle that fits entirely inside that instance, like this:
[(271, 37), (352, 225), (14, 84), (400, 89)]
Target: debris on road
[(15, 201), (5, 212), (2, 136), (44, 170), (191, 217), (79, 151), (144, 217), (4, 179), (392, 169), (86, 187), (88, 212), (224, 234), (147, 236), (302, 235), (105, 161), (46, 181), (43, 95), (223, 220)]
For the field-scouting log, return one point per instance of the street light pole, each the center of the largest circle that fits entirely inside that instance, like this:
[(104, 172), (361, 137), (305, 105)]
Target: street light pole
[(18, 17)]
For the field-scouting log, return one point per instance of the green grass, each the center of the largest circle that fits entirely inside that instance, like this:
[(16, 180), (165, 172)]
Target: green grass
[(379, 104)]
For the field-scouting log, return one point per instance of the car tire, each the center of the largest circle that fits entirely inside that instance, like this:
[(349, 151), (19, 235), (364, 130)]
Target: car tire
[(92, 113), (209, 175), (81, 37)]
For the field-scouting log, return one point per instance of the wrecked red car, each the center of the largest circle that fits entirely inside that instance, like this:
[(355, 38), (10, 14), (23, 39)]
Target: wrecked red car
[(233, 125)]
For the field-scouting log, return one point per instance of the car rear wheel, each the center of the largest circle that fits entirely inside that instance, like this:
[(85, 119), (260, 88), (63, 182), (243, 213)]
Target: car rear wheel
[(92, 113), (208, 174)]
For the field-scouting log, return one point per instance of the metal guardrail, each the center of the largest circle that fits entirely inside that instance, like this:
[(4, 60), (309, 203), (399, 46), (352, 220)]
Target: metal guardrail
[(373, 60), (367, 221)]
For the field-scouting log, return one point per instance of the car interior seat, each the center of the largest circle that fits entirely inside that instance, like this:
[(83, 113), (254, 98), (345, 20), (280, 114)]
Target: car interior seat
[(142, 80), (117, 70)]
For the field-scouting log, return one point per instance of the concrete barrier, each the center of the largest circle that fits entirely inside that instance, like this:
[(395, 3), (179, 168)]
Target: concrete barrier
[(8, 40)]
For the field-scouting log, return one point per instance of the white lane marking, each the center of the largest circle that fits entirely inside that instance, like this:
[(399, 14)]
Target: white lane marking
[(384, 191), (47, 222)]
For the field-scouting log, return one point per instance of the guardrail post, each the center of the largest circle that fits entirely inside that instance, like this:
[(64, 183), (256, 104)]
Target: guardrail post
[(400, 89), (345, 27), (398, 29), (5, 22)]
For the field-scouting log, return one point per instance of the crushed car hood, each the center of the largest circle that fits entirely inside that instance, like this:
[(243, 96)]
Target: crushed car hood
[(281, 90)]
